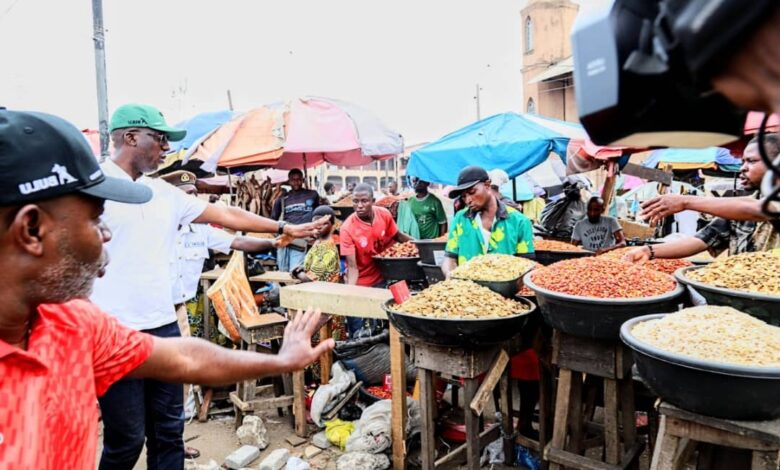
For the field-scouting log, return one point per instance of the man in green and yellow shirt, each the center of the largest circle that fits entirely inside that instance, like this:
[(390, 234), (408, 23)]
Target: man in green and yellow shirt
[(486, 225)]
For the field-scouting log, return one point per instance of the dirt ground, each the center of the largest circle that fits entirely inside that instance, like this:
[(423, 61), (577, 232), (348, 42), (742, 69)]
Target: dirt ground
[(216, 439)]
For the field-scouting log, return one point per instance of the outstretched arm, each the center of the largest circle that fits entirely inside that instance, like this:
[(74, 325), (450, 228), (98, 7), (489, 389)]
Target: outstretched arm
[(732, 208), (239, 219), (192, 360)]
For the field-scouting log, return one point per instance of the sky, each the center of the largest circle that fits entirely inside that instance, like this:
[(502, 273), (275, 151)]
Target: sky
[(415, 64)]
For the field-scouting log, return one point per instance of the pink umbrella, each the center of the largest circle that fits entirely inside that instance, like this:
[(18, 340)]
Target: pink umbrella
[(302, 133), (753, 122)]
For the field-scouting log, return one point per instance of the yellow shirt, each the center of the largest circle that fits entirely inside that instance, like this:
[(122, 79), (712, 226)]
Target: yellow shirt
[(533, 208)]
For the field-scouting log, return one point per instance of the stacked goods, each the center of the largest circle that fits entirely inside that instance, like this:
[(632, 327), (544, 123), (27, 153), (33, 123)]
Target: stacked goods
[(553, 245), (401, 250), (456, 299), (751, 272), (493, 268), (602, 278), (718, 334), (668, 266)]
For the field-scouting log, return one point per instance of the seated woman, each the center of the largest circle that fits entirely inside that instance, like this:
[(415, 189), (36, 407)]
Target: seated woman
[(322, 261)]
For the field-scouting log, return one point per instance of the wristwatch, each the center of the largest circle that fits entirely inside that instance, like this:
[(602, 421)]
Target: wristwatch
[(280, 230)]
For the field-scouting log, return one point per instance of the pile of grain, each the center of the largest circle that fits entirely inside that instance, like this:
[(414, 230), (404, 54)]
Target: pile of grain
[(718, 334), (493, 267), (460, 299), (752, 272)]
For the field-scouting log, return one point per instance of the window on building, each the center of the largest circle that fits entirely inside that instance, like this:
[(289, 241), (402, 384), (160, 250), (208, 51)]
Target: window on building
[(529, 34), (531, 107)]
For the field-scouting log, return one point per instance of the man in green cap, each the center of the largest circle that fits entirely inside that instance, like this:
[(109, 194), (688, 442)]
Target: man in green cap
[(136, 288)]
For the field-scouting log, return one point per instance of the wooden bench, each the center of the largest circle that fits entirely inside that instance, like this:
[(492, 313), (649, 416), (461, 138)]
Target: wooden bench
[(680, 431)]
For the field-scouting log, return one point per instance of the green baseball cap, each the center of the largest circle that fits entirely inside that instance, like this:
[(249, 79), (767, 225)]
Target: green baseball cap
[(142, 115)]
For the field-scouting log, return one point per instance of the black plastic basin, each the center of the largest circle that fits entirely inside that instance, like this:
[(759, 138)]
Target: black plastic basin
[(705, 387), (433, 273), (399, 269), (459, 332), (592, 317), (428, 249), (762, 306), (547, 258)]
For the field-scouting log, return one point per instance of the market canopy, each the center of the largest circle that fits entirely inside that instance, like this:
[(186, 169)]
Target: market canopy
[(710, 158), (299, 133), (508, 141)]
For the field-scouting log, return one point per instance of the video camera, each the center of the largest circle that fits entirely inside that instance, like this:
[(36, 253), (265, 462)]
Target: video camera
[(643, 70)]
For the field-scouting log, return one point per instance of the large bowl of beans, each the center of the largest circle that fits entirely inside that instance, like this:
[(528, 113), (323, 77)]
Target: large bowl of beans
[(749, 282), (711, 360), (592, 297)]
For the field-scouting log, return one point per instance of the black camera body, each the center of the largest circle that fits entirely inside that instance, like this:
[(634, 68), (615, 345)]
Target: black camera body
[(643, 69)]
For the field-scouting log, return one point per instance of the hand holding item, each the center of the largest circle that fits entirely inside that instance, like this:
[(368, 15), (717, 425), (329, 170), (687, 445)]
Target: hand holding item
[(310, 230)]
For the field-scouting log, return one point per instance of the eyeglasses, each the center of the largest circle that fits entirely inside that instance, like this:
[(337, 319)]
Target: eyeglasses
[(161, 139)]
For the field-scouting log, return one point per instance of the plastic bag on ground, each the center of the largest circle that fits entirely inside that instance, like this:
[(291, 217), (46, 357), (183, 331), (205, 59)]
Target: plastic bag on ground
[(493, 453), (339, 383), (338, 432), (363, 461), (373, 431)]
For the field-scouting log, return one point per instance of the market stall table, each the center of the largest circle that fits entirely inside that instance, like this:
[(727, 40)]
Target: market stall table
[(681, 431), (352, 301)]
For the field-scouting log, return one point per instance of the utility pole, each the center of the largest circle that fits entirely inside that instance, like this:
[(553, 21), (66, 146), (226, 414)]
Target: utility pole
[(99, 39), (230, 100), (476, 97)]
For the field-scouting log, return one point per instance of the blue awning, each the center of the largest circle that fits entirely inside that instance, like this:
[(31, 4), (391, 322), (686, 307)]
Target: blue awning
[(506, 141)]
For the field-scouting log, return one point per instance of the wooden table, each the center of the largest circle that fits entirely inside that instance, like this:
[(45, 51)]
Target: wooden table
[(353, 301), (682, 430)]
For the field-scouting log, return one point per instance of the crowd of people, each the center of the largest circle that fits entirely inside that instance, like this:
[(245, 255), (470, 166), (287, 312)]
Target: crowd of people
[(76, 327)]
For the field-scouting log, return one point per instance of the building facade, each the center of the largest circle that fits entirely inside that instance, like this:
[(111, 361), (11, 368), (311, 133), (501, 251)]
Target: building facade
[(548, 86)]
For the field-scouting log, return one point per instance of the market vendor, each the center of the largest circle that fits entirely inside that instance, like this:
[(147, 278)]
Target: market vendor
[(428, 211), (322, 262), (58, 351), (487, 225), (598, 232), (366, 233), (295, 207), (732, 236)]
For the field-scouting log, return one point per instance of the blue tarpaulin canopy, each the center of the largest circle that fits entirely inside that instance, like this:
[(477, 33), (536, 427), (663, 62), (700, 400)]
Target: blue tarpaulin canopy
[(507, 141), (200, 125), (687, 159)]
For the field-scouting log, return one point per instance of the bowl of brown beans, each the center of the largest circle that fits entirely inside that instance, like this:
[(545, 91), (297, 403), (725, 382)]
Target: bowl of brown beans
[(399, 262), (592, 297), (460, 313), (749, 282)]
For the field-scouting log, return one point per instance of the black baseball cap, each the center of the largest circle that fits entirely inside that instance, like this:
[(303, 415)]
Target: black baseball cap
[(44, 156), (468, 178)]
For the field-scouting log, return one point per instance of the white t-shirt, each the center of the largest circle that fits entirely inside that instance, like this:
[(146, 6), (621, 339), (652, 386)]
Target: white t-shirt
[(136, 288), (192, 250)]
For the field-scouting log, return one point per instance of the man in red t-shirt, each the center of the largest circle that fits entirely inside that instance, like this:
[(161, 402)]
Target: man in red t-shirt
[(365, 234), (56, 348)]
